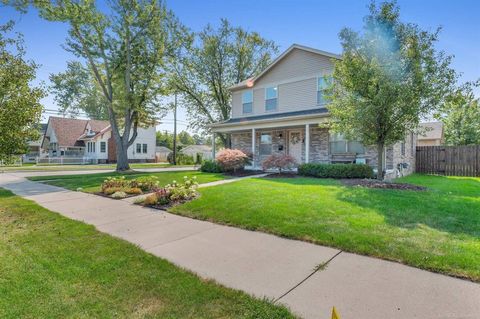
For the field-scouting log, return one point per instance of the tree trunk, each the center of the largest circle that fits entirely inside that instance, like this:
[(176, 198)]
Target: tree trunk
[(380, 162), (226, 139), (122, 157)]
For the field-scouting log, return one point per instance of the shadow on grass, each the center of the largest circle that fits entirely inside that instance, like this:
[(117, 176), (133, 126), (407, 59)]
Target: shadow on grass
[(449, 205)]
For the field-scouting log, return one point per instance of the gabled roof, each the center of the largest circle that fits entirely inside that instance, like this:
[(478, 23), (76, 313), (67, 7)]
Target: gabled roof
[(68, 131), (431, 131), (250, 82), (197, 148), (162, 149)]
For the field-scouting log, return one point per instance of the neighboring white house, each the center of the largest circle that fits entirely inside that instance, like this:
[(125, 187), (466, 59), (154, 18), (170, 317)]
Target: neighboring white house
[(74, 140), (280, 111), (205, 151)]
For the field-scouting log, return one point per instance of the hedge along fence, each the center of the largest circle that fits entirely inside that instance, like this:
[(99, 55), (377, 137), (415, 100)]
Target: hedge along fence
[(336, 170)]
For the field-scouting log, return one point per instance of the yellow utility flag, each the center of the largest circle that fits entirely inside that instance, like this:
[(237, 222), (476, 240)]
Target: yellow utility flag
[(335, 314)]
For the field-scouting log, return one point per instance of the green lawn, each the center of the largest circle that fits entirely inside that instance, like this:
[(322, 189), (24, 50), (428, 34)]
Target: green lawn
[(91, 182), (53, 267), (438, 229), (73, 167)]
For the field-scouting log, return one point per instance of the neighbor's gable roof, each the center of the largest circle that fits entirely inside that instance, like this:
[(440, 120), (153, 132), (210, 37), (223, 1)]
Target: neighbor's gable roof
[(250, 82), (68, 131), (162, 149), (431, 131), (197, 148)]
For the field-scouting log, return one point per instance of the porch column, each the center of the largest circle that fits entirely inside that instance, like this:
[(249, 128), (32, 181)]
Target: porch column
[(307, 143), (213, 145), (253, 147)]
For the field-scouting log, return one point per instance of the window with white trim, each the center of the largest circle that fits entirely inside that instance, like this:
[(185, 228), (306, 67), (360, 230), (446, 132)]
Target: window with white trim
[(322, 84), (340, 145), (139, 148), (271, 98), (103, 147), (265, 144), (90, 147), (247, 102), (144, 148)]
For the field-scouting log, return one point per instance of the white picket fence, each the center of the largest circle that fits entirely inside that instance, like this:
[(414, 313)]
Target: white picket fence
[(65, 160)]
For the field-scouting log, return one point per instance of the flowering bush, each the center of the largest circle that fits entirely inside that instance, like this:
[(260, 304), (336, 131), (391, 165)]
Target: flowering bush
[(173, 192), (279, 161), (111, 190), (145, 183), (232, 160), (115, 182), (119, 195), (133, 191)]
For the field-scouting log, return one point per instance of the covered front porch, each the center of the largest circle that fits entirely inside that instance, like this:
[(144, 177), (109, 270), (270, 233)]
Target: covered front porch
[(307, 140)]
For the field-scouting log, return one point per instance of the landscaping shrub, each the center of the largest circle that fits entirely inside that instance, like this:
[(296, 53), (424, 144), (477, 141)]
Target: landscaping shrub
[(119, 195), (280, 162), (115, 182), (210, 166), (111, 190), (173, 192), (145, 183), (336, 170), (134, 191), (182, 159), (232, 160)]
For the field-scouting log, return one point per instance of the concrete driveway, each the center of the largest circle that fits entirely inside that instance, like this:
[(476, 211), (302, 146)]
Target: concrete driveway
[(308, 278)]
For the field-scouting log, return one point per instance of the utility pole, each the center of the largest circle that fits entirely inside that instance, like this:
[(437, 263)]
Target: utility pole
[(175, 131)]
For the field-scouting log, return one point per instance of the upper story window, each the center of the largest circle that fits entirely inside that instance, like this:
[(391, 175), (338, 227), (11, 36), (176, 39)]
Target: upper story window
[(340, 145), (271, 98), (322, 84), (247, 101)]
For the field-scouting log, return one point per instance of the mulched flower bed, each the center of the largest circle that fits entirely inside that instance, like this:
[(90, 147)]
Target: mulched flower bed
[(110, 196), (169, 205), (372, 183), (282, 175), (243, 173)]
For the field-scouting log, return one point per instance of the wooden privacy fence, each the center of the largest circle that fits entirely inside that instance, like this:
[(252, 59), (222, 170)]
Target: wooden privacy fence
[(449, 160)]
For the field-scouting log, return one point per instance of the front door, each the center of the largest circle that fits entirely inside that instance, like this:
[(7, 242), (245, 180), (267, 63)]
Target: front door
[(295, 145)]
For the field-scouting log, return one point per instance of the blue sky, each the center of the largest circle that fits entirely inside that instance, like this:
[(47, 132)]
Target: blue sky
[(314, 23)]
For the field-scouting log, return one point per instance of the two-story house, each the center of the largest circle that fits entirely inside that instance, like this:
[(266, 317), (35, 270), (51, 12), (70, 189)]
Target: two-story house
[(69, 140), (282, 110)]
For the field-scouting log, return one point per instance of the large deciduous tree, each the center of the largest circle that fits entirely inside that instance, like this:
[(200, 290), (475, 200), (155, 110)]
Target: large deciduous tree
[(127, 51), (76, 92), (20, 108), (389, 77), (213, 61), (461, 116)]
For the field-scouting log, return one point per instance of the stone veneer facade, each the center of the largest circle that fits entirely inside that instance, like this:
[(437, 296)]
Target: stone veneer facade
[(319, 149)]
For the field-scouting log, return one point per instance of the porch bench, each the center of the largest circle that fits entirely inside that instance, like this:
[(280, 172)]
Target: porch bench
[(344, 158)]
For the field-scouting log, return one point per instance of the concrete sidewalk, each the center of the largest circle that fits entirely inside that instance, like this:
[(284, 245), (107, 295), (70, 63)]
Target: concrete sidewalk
[(268, 266)]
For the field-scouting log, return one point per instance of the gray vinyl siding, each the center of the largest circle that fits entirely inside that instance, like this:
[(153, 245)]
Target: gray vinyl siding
[(297, 95), (298, 63), (296, 79)]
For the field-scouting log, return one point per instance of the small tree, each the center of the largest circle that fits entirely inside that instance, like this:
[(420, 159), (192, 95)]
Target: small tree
[(280, 162), (232, 160), (389, 77), (20, 108), (461, 116)]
